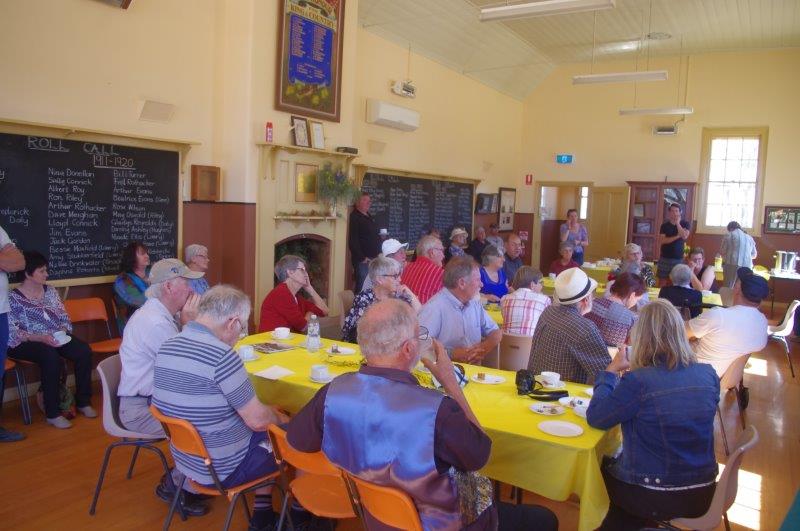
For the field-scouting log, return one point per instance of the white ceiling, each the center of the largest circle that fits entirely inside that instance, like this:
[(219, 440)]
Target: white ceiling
[(514, 56)]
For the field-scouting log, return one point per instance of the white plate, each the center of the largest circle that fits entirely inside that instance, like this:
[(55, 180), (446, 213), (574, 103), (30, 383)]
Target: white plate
[(560, 428), (707, 293), (246, 359), (589, 391), (580, 411), (572, 401), (561, 385), (546, 409), (69, 338), (322, 380), (489, 379), (274, 336), (343, 351)]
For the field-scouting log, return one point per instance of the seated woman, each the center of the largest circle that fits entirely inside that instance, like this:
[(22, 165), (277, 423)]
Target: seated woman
[(131, 283), (385, 276), (196, 258), (565, 249), (282, 306), (493, 277), (703, 275), (458, 240), (36, 319), (666, 406), (522, 307), (612, 314), (680, 293), (632, 263)]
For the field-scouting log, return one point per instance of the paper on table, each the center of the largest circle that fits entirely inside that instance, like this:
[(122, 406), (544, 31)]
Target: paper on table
[(275, 372)]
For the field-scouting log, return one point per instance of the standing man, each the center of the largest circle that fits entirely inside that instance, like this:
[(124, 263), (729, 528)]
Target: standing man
[(363, 239), (738, 250), (513, 256), (10, 260), (674, 233), (423, 276)]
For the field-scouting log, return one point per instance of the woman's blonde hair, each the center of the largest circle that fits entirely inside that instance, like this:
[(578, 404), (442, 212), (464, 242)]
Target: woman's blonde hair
[(659, 338)]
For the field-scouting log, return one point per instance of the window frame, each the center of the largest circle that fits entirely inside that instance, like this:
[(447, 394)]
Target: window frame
[(711, 133)]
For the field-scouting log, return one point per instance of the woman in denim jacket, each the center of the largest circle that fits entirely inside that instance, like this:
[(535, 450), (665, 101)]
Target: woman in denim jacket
[(666, 405)]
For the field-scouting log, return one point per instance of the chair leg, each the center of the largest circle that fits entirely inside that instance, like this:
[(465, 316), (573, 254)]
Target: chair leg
[(284, 509), (102, 476), (175, 503), (229, 514), (727, 523), (22, 389), (133, 462), (167, 473), (722, 429), (788, 355)]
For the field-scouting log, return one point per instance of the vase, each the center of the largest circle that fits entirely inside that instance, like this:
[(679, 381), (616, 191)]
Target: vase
[(332, 209)]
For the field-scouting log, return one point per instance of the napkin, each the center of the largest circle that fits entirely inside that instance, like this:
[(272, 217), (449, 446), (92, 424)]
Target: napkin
[(275, 372)]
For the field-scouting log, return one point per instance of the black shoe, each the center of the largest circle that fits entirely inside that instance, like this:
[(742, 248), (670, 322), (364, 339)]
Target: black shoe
[(191, 508), (258, 522)]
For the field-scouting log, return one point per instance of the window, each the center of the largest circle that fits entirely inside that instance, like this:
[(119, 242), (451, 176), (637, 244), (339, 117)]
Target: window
[(733, 174), (583, 210)]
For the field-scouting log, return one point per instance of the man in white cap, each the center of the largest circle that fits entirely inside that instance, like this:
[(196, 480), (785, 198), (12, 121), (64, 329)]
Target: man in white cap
[(565, 341), (393, 249), (148, 328)]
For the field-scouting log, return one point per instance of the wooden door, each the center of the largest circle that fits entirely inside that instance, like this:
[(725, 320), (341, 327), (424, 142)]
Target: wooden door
[(608, 222)]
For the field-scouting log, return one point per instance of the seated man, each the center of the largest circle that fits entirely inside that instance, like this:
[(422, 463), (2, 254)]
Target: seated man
[(565, 341), (393, 249), (200, 378), (282, 306), (680, 293), (381, 425), (423, 276), (513, 255), (455, 316), (724, 334)]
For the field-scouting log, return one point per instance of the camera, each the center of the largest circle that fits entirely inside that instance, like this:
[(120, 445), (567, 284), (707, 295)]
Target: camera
[(525, 382)]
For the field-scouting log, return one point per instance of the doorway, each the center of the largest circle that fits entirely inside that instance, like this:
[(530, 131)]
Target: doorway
[(554, 199)]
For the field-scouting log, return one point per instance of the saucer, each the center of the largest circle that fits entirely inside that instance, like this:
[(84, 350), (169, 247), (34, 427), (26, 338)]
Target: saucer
[(488, 379), (343, 351), (546, 409), (561, 385), (574, 401), (274, 336), (322, 380), (560, 428), (69, 338)]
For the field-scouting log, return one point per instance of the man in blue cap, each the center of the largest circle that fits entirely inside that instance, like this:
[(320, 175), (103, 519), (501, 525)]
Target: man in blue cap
[(724, 334)]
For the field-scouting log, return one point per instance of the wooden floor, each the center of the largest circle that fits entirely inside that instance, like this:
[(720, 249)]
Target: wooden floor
[(46, 481)]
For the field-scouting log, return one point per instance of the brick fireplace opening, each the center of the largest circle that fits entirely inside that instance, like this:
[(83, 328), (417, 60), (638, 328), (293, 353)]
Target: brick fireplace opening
[(315, 250)]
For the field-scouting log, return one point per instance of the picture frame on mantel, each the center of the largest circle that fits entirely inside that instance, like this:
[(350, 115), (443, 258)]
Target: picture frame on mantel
[(508, 205), (310, 49), (300, 131)]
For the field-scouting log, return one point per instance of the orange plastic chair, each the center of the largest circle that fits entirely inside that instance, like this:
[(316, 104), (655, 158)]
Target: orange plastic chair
[(93, 309), (321, 490), (184, 437), (391, 506)]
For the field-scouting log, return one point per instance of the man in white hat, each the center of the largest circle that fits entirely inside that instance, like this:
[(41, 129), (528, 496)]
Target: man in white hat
[(393, 249), (565, 341), (458, 241)]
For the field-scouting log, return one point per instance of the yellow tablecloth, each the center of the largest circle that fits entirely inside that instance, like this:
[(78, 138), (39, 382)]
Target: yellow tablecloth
[(522, 455)]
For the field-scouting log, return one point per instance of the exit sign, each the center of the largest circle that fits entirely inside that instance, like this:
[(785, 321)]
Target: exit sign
[(564, 158)]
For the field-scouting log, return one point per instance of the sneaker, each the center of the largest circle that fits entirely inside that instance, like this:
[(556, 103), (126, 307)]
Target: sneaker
[(191, 508), (60, 422), (88, 412), (10, 436)]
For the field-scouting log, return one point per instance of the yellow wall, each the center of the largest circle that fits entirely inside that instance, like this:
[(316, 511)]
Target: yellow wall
[(725, 89)]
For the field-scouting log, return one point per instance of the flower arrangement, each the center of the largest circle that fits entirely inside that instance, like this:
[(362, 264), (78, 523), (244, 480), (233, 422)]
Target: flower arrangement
[(335, 186)]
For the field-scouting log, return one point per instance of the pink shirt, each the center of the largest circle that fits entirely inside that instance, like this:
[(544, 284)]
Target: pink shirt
[(521, 310), (423, 277)]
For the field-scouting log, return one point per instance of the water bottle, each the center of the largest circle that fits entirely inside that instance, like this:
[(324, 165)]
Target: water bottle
[(312, 334)]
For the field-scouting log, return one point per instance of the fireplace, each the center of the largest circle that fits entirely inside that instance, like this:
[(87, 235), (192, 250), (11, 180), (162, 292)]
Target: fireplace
[(315, 250)]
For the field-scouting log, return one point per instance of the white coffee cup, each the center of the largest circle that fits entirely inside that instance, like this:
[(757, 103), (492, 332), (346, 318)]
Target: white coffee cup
[(383, 232), (552, 276), (320, 372), (426, 350), (247, 352), (281, 332), (60, 336), (551, 379)]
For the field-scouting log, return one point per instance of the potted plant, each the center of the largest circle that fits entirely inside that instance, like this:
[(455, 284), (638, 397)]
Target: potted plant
[(334, 187)]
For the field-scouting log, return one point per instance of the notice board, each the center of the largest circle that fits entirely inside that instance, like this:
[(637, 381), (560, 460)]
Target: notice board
[(409, 206), (79, 203)]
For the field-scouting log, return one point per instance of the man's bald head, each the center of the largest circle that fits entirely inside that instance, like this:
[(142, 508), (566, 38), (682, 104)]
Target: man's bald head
[(513, 246), (385, 327)]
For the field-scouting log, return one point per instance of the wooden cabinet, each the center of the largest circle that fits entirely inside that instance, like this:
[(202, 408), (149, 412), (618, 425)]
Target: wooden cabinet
[(649, 202)]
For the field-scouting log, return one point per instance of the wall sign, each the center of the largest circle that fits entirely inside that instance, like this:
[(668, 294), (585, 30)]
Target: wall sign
[(564, 158), (782, 219), (310, 44)]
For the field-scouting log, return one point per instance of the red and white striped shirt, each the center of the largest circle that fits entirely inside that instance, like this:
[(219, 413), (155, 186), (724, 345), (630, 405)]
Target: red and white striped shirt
[(423, 277), (521, 310)]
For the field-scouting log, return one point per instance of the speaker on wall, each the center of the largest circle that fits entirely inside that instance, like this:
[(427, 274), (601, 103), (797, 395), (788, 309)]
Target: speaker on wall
[(206, 184)]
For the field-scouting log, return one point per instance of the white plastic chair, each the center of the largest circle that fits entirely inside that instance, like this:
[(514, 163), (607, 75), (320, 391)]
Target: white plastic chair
[(726, 295), (725, 493), (734, 379), (109, 370), (515, 352), (783, 330)]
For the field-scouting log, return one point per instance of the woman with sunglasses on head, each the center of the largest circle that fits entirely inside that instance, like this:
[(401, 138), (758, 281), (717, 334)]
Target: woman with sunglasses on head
[(131, 283), (384, 273), (282, 307)]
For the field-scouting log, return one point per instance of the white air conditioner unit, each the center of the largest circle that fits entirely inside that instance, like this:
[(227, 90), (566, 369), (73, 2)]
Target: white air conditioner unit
[(391, 115)]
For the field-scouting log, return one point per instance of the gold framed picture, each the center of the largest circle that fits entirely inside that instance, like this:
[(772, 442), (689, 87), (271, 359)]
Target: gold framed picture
[(317, 134), (300, 127), (305, 183)]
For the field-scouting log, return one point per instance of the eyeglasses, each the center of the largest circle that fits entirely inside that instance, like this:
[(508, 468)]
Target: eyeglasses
[(424, 335), (395, 276), (440, 249), (201, 256), (299, 269)]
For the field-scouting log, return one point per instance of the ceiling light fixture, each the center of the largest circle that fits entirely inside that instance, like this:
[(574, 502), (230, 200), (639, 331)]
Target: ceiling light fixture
[(621, 77), (543, 8), (656, 110)]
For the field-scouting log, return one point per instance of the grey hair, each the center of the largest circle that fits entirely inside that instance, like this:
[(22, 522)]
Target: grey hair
[(524, 276), (566, 245), (489, 252), (385, 326), (630, 267), (193, 250), (631, 248), (680, 275), (478, 228), (224, 301), (426, 243), (285, 264), (457, 268), (156, 291), (381, 266)]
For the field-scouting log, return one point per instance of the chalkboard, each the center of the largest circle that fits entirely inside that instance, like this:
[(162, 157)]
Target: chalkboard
[(409, 206), (79, 202)]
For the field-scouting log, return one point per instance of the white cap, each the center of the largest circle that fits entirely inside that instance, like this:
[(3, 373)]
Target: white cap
[(391, 246)]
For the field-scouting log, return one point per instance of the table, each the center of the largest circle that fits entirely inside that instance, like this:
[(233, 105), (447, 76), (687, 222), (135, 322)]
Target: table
[(522, 455), (779, 275)]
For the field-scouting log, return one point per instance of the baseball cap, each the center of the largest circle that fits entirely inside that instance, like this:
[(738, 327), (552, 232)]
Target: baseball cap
[(391, 246), (170, 268), (754, 287), (572, 285)]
